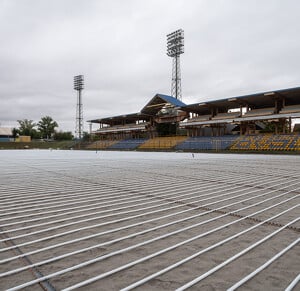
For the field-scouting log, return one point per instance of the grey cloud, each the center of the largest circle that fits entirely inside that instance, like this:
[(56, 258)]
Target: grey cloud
[(232, 48)]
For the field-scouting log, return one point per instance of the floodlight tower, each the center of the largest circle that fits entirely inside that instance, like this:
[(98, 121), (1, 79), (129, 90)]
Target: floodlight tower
[(78, 86), (175, 47)]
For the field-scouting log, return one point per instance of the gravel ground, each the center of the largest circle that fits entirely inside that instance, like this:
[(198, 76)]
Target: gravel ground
[(150, 221)]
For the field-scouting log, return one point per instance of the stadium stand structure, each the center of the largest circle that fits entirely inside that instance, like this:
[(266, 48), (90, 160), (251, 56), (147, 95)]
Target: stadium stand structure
[(217, 122), (101, 144), (277, 107), (128, 144), (296, 128), (286, 142), (260, 112), (290, 109), (163, 142), (161, 109), (207, 143)]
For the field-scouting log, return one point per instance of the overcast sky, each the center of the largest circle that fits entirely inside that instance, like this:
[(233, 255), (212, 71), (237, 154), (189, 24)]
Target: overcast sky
[(232, 48)]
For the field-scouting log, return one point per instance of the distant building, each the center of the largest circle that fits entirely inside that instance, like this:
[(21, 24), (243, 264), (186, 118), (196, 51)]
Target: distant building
[(6, 134)]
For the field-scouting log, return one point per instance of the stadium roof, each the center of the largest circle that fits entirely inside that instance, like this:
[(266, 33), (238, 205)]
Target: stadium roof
[(158, 102), (6, 131), (119, 119), (152, 107), (255, 101)]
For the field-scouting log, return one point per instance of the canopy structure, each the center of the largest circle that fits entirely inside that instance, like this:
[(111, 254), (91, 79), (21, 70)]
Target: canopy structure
[(159, 101), (122, 119), (277, 106), (261, 100), (160, 109)]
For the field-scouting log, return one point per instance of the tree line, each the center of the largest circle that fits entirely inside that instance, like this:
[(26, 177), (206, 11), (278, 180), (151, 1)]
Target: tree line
[(44, 129)]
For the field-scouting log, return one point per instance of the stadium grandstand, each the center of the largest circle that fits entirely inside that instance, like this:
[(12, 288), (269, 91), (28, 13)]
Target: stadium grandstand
[(160, 116), (261, 121)]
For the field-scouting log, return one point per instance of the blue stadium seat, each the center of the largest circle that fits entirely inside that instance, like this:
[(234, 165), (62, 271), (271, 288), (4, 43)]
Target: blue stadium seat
[(128, 144), (207, 143)]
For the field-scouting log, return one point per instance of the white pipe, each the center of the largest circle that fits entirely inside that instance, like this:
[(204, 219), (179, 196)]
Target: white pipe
[(132, 235), (114, 214), (167, 269), (231, 259), (293, 284), (262, 267), (86, 282)]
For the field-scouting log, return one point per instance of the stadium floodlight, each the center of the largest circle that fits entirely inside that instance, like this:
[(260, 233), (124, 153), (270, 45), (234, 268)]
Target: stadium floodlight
[(78, 86), (78, 82), (175, 43), (175, 47)]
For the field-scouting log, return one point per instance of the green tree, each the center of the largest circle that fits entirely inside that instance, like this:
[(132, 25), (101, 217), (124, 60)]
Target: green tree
[(35, 134), (15, 132), (63, 135), (47, 126), (86, 136), (26, 127)]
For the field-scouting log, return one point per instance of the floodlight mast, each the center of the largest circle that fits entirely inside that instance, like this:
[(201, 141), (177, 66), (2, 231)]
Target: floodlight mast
[(78, 86), (175, 47)]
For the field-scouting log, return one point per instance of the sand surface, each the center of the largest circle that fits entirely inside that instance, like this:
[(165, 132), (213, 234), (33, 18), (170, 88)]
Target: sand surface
[(119, 217)]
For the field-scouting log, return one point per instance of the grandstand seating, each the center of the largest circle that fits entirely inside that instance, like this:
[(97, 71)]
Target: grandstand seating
[(207, 143), (290, 109), (130, 126), (284, 142), (260, 112), (267, 142), (101, 144), (128, 144), (227, 115), (200, 118), (162, 142)]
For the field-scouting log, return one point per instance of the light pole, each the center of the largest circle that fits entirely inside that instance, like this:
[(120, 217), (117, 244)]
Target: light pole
[(175, 47), (78, 86)]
